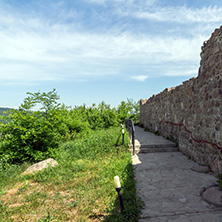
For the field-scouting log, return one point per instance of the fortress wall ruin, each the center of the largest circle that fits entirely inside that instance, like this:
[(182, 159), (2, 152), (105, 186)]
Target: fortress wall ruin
[(191, 113)]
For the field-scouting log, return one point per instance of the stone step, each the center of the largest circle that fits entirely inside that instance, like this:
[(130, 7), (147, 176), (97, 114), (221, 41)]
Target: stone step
[(155, 149)]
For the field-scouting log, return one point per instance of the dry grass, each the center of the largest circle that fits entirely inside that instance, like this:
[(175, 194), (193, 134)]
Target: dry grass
[(35, 201)]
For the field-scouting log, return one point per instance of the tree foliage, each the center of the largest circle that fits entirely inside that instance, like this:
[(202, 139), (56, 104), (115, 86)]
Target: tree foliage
[(32, 135), (3, 110), (27, 134)]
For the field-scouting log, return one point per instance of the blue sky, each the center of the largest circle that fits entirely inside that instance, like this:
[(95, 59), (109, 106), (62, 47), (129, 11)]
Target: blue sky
[(101, 50)]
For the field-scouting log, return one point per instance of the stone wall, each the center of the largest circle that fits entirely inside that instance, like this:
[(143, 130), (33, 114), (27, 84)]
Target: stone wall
[(191, 113)]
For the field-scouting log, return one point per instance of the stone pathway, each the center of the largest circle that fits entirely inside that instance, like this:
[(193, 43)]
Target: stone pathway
[(146, 142), (169, 188)]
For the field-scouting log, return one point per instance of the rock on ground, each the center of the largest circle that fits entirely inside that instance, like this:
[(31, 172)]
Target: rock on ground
[(41, 165)]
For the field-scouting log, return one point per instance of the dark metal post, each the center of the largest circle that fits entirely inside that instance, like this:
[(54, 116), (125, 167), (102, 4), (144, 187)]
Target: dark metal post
[(120, 198), (133, 142), (123, 133), (130, 127), (118, 189)]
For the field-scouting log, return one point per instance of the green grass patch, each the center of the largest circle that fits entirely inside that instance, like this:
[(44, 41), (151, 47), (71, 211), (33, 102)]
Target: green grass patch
[(80, 188)]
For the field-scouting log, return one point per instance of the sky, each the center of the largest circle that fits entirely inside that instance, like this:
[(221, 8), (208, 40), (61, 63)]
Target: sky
[(101, 50)]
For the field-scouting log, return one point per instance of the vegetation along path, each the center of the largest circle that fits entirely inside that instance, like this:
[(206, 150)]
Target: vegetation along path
[(170, 184)]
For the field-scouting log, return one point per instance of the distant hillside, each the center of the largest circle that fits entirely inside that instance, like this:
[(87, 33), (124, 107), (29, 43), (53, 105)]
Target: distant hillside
[(3, 109)]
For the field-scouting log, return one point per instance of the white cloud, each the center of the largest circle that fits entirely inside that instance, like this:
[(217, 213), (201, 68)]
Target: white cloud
[(77, 54), (35, 49), (179, 14), (140, 78), (124, 2), (58, 44), (56, 54), (188, 70)]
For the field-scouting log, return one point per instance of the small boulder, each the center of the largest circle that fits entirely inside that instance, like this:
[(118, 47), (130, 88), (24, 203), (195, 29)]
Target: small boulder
[(213, 195), (200, 169), (40, 166)]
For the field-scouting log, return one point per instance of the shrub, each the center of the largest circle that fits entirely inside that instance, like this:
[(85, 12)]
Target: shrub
[(32, 135)]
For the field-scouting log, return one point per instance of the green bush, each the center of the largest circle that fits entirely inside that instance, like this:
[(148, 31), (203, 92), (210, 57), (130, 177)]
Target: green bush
[(129, 110), (30, 135)]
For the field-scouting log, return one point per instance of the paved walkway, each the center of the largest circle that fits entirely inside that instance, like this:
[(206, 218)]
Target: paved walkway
[(169, 188), (145, 139), (146, 142)]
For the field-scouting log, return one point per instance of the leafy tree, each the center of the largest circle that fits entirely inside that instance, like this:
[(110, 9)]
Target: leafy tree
[(33, 135), (134, 107), (129, 110), (102, 116), (49, 101), (75, 121)]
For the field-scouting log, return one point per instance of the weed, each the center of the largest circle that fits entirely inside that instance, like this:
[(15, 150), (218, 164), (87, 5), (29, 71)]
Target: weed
[(157, 133), (147, 129), (46, 218), (141, 125), (172, 138)]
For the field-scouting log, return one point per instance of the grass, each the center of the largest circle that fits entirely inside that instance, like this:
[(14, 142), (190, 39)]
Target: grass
[(80, 188)]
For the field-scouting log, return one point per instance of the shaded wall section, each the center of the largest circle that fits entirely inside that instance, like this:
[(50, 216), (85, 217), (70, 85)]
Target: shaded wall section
[(191, 113)]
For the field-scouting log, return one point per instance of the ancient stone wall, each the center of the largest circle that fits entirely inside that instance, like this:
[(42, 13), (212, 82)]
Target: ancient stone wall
[(191, 113)]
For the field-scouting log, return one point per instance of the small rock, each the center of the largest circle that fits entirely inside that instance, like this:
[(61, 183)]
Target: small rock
[(213, 195), (41, 165), (183, 200), (200, 169), (135, 160)]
